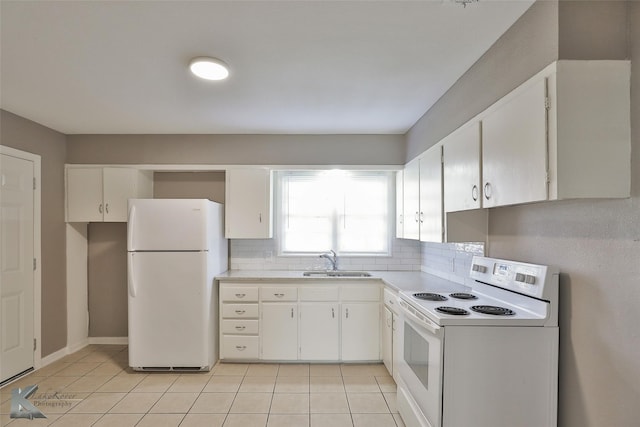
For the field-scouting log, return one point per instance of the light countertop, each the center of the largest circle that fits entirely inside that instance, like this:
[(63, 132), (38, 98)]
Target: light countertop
[(395, 280)]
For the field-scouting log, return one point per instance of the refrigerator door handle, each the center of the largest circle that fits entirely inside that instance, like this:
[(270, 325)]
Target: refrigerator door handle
[(130, 225), (131, 279)]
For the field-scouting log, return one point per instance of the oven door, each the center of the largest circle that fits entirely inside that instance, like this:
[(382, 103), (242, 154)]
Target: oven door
[(420, 368)]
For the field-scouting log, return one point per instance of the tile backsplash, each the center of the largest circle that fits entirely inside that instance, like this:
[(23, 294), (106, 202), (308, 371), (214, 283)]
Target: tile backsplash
[(262, 254), (451, 261), (448, 260)]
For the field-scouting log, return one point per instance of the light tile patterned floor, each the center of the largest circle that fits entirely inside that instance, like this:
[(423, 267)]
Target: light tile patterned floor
[(94, 387)]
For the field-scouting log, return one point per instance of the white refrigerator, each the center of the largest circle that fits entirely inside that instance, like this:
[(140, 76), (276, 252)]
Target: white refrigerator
[(175, 249)]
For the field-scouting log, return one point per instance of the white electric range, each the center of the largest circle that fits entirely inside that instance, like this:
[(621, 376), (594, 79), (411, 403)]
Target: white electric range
[(481, 355)]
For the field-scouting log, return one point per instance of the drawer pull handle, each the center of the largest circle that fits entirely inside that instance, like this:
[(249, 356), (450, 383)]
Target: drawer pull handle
[(241, 328), (333, 313), (241, 347), (278, 295), (241, 295), (240, 311), (347, 313)]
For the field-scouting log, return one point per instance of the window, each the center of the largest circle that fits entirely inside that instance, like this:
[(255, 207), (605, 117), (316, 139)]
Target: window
[(347, 211)]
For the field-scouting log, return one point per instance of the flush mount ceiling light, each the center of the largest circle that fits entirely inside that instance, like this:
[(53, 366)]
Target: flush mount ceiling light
[(209, 68)]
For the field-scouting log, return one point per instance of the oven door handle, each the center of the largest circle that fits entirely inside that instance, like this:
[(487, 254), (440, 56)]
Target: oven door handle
[(424, 322)]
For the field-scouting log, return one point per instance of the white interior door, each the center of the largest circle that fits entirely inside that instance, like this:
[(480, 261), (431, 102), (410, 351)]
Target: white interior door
[(17, 266)]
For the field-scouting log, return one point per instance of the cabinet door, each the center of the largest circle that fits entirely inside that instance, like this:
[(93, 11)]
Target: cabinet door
[(319, 331), (119, 185), (84, 195), (431, 224), (412, 200), (396, 350), (279, 335), (248, 204), (461, 154), (360, 331), (514, 150), (400, 204), (387, 339)]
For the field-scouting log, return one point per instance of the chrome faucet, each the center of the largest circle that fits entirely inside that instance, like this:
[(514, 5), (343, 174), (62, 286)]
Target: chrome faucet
[(332, 257)]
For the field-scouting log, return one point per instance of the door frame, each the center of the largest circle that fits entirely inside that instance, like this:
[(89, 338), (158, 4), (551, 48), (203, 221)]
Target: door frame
[(37, 248)]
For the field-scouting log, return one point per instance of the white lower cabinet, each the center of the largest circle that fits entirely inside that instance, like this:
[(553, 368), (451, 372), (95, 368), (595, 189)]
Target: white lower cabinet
[(386, 346), (279, 337), (360, 333), (329, 322), (239, 322), (320, 331)]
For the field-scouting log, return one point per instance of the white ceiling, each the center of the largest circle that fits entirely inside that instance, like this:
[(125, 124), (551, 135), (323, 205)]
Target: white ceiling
[(297, 66)]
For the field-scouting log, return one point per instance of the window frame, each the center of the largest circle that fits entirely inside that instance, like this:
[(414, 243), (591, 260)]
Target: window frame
[(280, 214)]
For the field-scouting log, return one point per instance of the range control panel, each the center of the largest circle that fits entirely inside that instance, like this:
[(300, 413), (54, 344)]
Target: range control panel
[(524, 278)]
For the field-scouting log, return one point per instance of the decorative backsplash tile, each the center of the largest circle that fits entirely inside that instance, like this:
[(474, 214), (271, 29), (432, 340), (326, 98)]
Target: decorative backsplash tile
[(262, 254), (451, 261)]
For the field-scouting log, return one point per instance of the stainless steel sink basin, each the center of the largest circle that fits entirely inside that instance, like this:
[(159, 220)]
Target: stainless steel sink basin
[(336, 273)]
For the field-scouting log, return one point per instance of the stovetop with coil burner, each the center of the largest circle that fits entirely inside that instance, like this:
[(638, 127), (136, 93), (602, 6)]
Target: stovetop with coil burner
[(502, 293)]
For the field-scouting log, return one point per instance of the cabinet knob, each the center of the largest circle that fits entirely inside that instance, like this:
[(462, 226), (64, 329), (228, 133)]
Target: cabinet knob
[(474, 193), (487, 190), (400, 219)]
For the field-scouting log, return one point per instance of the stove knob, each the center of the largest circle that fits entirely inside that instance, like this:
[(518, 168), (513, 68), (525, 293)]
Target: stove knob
[(530, 279), (520, 277), (479, 268)]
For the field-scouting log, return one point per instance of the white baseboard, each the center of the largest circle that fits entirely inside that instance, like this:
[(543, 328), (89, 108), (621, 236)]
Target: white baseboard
[(49, 359), (77, 346), (109, 340)]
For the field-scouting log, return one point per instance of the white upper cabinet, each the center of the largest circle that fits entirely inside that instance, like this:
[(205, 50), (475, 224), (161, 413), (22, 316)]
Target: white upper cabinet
[(248, 204), (461, 162), (589, 129), (563, 134), (431, 195), (422, 197), (411, 198), (514, 149), (102, 194), (399, 204)]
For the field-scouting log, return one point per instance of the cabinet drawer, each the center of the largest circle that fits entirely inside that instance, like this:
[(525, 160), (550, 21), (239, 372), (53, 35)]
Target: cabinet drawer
[(238, 294), (390, 300), (361, 293), (319, 293), (237, 347), (279, 294), (240, 327), (240, 311)]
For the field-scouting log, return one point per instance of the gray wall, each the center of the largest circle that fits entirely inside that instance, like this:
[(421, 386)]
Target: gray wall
[(26, 135), (237, 149), (596, 243)]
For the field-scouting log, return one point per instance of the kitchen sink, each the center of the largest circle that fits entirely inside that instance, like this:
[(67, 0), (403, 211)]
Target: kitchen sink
[(336, 273)]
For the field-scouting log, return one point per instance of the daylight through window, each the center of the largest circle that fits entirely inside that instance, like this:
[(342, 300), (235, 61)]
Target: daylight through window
[(347, 211)]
